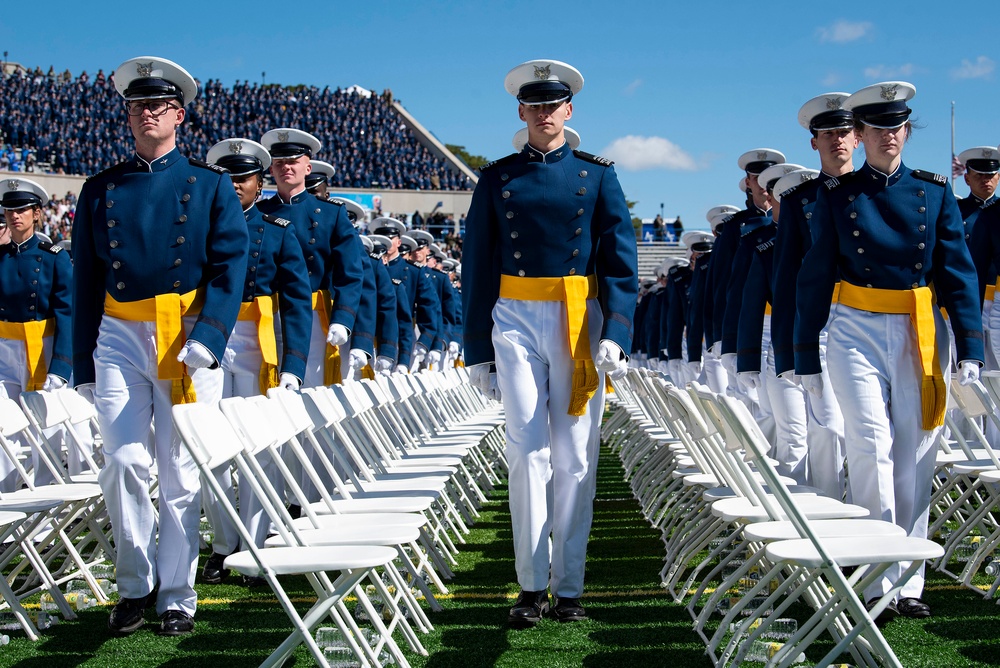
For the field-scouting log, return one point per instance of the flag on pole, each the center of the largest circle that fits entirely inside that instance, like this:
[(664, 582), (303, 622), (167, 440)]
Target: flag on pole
[(957, 168)]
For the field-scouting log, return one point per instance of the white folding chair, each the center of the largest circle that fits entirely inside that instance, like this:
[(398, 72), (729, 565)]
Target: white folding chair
[(213, 443)]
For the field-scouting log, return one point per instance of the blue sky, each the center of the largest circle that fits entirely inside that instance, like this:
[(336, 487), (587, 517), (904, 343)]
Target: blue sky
[(674, 92)]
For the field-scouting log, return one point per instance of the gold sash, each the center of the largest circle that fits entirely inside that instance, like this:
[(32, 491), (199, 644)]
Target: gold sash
[(167, 312), (919, 304), (261, 310), (323, 304), (31, 332), (574, 291)]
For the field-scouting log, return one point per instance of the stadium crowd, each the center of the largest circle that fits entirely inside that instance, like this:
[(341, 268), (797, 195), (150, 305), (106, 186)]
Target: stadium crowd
[(49, 121)]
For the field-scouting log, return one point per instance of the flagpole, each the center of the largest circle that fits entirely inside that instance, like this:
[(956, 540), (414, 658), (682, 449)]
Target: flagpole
[(953, 144)]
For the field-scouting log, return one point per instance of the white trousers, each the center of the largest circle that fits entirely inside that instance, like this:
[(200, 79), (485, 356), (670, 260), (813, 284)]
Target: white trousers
[(552, 455), (825, 435), (240, 378), (13, 381), (713, 373), (787, 402), (133, 408), (875, 372)]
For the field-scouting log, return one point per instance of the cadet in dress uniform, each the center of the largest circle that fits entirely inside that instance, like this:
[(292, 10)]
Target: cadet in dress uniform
[(450, 306), (389, 327), (680, 309), (833, 136), (318, 180), (982, 171), (35, 310), (424, 305), (890, 232), (330, 247), (755, 220), (650, 332), (156, 238), (711, 369), (418, 258), (755, 356), (548, 298), (276, 291), (670, 266)]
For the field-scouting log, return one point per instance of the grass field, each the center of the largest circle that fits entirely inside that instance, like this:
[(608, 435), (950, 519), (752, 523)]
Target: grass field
[(633, 622)]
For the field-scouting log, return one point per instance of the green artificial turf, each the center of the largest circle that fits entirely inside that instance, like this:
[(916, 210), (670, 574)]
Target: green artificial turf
[(633, 622)]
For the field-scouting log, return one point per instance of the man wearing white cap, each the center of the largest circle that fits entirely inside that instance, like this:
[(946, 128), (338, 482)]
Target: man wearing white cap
[(548, 301), (431, 340), (832, 136), (702, 362), (330, 247), (160, 254), (675, 318)]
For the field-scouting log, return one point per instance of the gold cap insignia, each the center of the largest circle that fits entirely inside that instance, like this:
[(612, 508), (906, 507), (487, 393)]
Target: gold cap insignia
[(282, 136), (235, 147), (834, 103), (542, 73), (13, 184), (144, 69), (762, 155)]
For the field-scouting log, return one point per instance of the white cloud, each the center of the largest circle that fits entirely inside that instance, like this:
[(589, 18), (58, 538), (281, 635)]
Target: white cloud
[(885, 72), (632, 87), (842, 31), (981, 69), (636, 153), (831, 79)]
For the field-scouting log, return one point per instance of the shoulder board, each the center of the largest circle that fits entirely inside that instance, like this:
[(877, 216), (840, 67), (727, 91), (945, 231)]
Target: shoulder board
[(501, 161), (52, 248), (282, 222), (397, 281), (109, 170), (992, 202), (831, 183), (835, 181), (596, 159), (333, 200), (205, 165), (930, 177)]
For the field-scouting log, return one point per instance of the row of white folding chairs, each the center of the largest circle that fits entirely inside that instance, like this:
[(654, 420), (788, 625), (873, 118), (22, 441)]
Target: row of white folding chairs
[(776, 529), (64, 531), (967, 484)]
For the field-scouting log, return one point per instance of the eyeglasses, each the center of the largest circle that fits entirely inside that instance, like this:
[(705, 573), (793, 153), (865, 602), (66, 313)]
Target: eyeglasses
[(156, 107)]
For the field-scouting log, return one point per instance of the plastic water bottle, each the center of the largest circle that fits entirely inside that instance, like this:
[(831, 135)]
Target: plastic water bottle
[(4, 640), (206, 534), (992, 567), (763, 651)]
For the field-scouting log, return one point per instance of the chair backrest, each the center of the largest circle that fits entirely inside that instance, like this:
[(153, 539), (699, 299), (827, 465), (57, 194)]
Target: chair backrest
[(45, 408), (975, 401), (210, 438)]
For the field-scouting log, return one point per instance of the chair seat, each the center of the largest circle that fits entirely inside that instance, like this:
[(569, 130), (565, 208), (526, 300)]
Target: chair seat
[(814, 507), (11, 516), (391, 504), (767, 532), (717, 493), (68, 492), (360, 535), (298, 560), (973, 467), (854, 551), (361, 520), (423, 485), (990, 476), (20, 503)]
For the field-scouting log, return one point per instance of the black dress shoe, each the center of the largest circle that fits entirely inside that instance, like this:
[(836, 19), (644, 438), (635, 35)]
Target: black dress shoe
[(913, 608), (890, 613), (255, 582), (127, 616), (214, 573), (529, 609), (568, 610), (176, 623)]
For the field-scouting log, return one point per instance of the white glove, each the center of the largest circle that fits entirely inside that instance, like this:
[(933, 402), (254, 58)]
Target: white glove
[(664, 355), (86, 390), (357, 360), (813, 384), (196, 356), (479, 377), (417, 358), (434, 358), (695, 368), (337, 335), (492, 388), (453, 347), (716, 348), (729, 363), (749, 379), (383, 365), (611, 360), (289, 381), (53, 382), (968, 373), (401, 368), (791, 377)]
